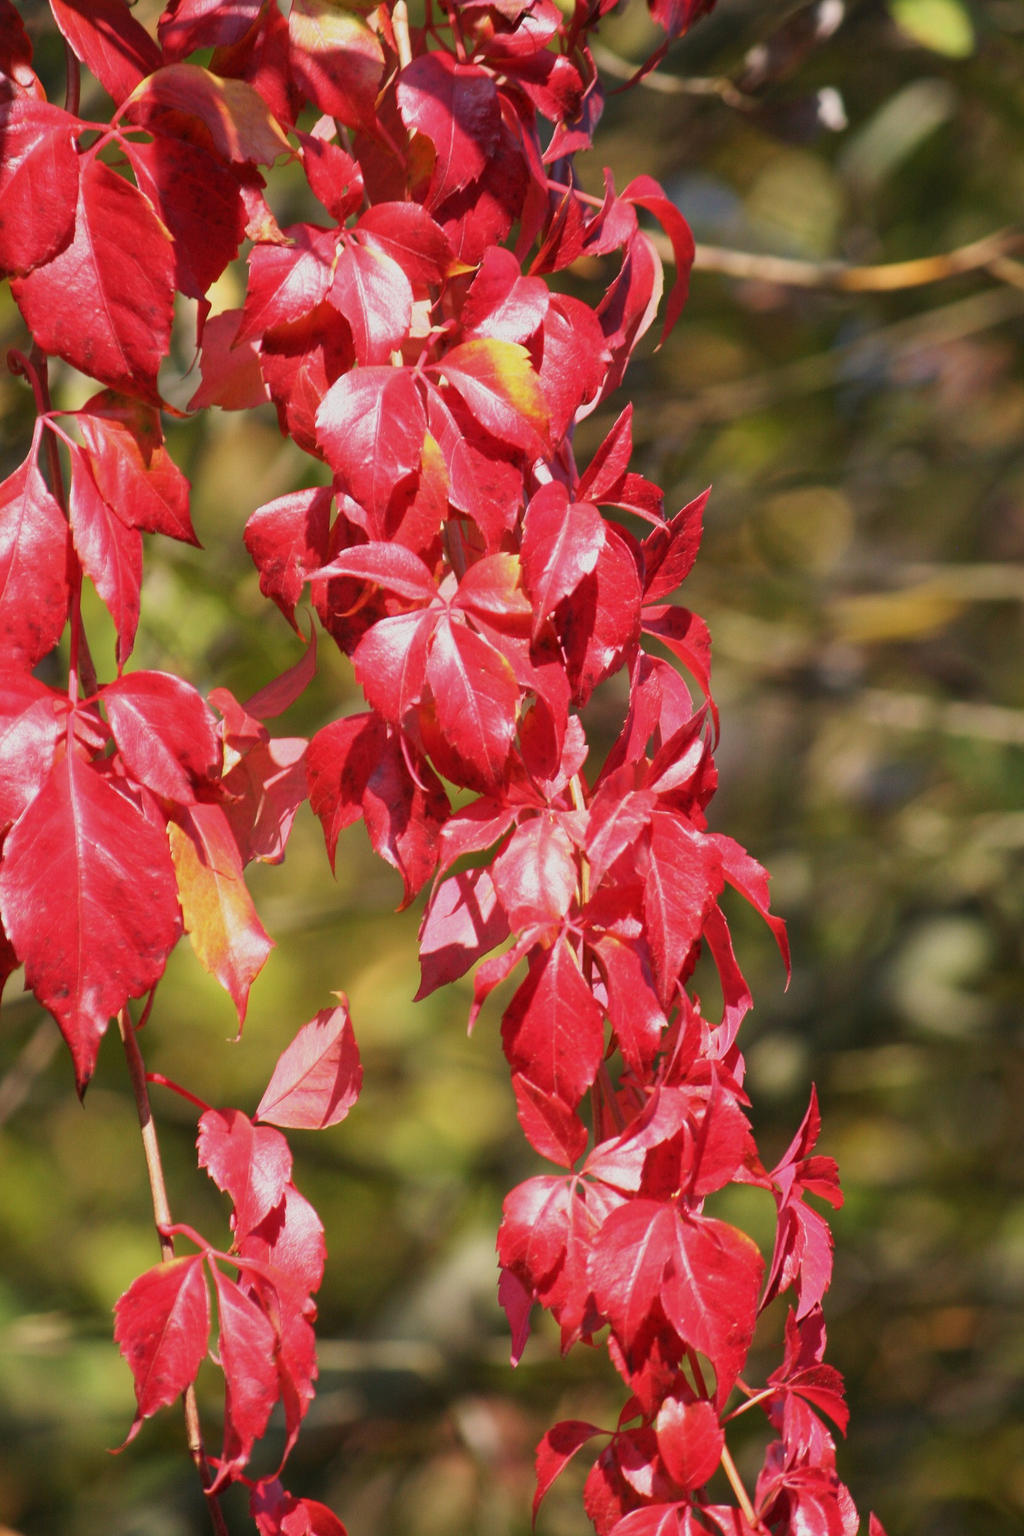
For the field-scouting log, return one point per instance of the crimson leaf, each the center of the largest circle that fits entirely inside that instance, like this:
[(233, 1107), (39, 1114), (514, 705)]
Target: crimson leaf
[(87, 896), (163, 1326), (105, 302), (317, 1078)]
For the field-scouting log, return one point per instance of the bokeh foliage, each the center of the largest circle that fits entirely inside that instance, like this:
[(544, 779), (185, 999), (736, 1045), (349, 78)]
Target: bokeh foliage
[(863, 578)]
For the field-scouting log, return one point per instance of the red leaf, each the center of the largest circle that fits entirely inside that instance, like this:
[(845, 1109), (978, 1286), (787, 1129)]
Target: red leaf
[(250, 1163), (669, 552), (676, 16), (683, 878), (497, 383), (277, 696), (748, 877), (629, 306), (277, 1513), (402, 801), (334, 177), (189, 24), (33, 567), (336, 60), (646, 192), (616, 822), (406, 808), (110, 552), (483, 485), (573, 360), (262, 58), (38, 182), (299, 363), (371, 425), (462, 922), (287, 282), (163, 1327), (456, 106), (166, 735), (132, 468), (562, 541), (30, 727), (407, 233), (704, 1273), (601, 625), (290, 1238), (200, 202), (516, 1301), (476, 698), (375, 296), (491, 592), (390, 662), (686, 636), (634, 1012), (287, 539), (552, 1029), (501, 303), (228, 938), (264, 793), (546, 1234), (803, 1371), (109, 41), (690, 1440), (105, 302), (607, 469), (231, 375), (548, 1123), (556, 1449), (339, 763), (536, 874), (675, 1520), (245, 1344), (389, 565), (317, 1078), (240, 730), (235, 117), (88, 901), (15, 46), (474, 828), (290, 1310)]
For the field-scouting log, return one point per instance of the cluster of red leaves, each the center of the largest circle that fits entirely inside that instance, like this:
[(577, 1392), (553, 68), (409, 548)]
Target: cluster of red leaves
[(483, 584)]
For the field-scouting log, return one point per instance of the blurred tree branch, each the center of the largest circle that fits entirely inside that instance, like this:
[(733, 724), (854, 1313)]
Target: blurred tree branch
[(673, 85), (33, 1059), (990, 254)]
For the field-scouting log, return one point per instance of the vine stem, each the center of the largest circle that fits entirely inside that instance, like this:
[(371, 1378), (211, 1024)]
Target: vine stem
[(400, 23), (736, 1484), (163, 1221), (73, 86)]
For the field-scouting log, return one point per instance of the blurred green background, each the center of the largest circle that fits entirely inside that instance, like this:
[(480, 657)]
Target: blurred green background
[(863, 578)]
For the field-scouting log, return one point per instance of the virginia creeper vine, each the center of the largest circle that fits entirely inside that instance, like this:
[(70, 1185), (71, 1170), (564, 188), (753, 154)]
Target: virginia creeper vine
[(483, 584)]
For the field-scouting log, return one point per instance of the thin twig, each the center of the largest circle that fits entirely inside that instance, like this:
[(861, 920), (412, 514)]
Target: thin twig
[(736, 1484), (73, 81), (1007, 271), (673, 85), (991, 254), (33, 1058), (400, 24), (163, 1221)]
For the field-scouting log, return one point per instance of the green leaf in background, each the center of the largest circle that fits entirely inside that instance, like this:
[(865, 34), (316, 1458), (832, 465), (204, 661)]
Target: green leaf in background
[(943, 25)]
